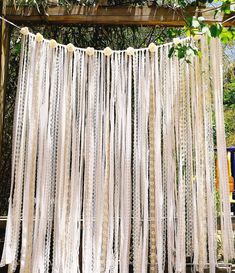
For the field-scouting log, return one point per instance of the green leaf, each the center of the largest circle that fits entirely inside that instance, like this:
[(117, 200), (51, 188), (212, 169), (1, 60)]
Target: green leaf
[(182, 52), (189, 21), (215, 30), (226, 35), (171, 52), (188, 33), (226, 7), (182, 3)]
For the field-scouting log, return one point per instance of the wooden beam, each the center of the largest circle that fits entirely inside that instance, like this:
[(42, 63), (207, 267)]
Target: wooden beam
[(4, 55), (108, 15)]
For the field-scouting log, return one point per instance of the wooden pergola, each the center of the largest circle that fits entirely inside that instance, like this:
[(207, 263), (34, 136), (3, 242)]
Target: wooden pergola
[(102, 15)]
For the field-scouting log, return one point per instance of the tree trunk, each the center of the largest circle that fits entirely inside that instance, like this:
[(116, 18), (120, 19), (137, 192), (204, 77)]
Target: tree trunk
[(4, 56)]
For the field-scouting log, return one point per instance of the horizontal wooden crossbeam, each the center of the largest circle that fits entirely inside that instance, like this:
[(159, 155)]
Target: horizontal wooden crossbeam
[(107, 15)]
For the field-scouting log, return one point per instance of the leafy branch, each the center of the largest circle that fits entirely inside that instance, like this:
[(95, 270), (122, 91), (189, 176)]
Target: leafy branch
[(197, 25)]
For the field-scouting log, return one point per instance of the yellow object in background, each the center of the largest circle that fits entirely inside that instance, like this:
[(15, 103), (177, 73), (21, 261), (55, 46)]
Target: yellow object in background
[(231, 179)]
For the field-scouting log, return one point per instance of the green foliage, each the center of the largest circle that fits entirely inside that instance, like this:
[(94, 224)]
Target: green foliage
[(196, 25), (219, 242), (185, 52), (229, 95), (227, 34), (226, 6), (229, 107), (215, 30), (229, 118), (217, 203)]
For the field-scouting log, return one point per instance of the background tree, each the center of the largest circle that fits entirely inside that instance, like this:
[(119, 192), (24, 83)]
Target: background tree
[(229, 102)]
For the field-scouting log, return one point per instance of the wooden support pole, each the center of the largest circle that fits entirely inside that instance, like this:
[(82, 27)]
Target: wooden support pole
[(4, 56)]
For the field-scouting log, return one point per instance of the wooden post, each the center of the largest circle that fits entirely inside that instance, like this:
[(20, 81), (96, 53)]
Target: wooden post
[(4, 56)]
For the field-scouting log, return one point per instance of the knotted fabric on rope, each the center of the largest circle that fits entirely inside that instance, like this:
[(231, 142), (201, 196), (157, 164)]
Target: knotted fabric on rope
[(113, 160)]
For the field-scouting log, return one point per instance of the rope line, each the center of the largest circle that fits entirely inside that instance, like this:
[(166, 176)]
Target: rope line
[(9, 22)]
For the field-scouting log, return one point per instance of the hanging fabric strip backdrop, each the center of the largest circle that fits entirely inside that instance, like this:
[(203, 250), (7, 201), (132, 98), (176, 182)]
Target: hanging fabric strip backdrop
[(113, 161)]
